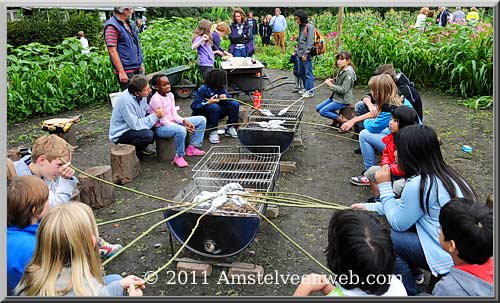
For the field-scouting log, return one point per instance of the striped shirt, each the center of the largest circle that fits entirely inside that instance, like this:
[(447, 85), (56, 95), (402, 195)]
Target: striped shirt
[(111, 36)]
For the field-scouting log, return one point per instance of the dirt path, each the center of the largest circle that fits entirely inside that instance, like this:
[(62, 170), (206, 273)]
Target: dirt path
[(324, 165)]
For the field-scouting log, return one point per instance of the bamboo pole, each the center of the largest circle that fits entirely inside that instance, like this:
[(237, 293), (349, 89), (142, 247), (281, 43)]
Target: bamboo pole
[(293, 242), (150, 230), (149, 277)]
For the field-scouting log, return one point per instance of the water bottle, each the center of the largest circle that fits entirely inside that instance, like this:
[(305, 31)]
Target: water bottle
[(257, 99)]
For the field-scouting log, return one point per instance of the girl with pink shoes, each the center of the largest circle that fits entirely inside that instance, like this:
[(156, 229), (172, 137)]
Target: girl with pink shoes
[(174, 126)]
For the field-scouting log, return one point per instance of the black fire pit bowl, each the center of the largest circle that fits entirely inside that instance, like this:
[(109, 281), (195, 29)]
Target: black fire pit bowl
[(216, 236), (252, 138)]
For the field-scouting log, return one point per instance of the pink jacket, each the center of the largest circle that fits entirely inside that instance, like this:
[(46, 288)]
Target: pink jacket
[(167, 105)]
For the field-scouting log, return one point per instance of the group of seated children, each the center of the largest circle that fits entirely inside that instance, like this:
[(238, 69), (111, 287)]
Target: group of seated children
[(363, 255), (53, 246), (411, 188), (136, 122)]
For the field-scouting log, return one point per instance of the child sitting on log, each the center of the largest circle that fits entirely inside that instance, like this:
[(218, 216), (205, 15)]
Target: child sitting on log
[(173, 125), (207, 102), (66, 259), (359, 247), (45, 162)]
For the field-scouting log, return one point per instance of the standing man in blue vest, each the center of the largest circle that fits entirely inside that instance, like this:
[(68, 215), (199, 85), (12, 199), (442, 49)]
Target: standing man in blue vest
[(123, 44)]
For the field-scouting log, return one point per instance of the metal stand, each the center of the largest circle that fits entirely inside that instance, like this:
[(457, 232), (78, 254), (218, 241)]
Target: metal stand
[(215, 262)]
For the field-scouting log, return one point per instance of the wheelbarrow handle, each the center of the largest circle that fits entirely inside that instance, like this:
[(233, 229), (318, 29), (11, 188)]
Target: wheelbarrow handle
[(277, 85)]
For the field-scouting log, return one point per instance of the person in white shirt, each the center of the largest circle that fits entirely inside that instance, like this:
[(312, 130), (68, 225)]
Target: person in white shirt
[(84, 42), (420, 23)]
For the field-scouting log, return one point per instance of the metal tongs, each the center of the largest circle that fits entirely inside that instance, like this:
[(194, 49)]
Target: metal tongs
[(284, 110)]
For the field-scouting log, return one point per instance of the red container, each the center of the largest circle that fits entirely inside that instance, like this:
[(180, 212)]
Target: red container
[(257, 99)]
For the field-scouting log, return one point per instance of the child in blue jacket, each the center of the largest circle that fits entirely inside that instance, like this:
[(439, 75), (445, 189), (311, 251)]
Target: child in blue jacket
[(27, 202), (210, 101)]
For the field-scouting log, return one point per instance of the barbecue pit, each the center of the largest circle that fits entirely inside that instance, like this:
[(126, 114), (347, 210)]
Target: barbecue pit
[(226, 231)]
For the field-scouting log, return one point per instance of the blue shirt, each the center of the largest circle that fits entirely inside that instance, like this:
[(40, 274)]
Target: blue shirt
[(405, 212), (278, 24), (129, 114), (381, 122), (21, 244)]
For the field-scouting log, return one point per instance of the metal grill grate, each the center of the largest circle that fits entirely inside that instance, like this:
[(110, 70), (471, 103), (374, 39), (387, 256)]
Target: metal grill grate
[(226, 164), (221, 165), (294, 113)]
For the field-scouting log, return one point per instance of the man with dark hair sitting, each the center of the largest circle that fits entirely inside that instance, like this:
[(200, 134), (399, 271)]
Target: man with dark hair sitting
[(467, 235), (130, 122)]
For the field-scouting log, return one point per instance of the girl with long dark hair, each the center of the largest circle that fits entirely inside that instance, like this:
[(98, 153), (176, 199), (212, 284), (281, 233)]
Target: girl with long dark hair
[(414, 218)]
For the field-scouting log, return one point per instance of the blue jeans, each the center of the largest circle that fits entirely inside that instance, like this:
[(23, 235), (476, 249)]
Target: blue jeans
[(179, 132), (240, 52), (368, 143), (409, 256), (360, 108), (306, 74), (329, 107), (216, 111)]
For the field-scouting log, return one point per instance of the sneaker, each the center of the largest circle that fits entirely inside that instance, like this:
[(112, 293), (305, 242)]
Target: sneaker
[(221, 131), (149, 151), (213, 137), (193, 151), (360, 180), (107, 249), (419, 277), (373, 199), (307, 95), (231, 132), (301, 91), (179, 161), (295, 90), (357, 151)]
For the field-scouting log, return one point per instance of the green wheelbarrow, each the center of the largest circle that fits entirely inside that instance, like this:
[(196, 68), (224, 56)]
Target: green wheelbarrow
[(181, 87)]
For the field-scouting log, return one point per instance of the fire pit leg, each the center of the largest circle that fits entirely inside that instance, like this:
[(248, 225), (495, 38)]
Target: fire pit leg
[(171, 244)]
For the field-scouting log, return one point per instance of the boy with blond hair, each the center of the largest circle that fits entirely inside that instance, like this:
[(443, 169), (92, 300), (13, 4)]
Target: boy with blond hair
[(46, 162)]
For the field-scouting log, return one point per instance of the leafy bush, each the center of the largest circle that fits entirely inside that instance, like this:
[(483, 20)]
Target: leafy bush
[(44, 80), (52, 26), (457, 58)]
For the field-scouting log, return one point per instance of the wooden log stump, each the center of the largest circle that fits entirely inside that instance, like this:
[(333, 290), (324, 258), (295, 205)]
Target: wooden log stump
[(348, 112), (95, 193), (165, 148), (70, 135), (124, 163), (75, 196)]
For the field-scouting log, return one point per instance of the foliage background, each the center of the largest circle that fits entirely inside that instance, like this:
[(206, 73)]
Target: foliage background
[(53, 77)]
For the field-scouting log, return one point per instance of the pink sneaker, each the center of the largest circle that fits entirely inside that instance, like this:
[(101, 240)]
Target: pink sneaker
[(179, 161), (193, 151)]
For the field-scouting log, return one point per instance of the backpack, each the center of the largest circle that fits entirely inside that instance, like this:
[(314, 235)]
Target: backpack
[(319, 46)]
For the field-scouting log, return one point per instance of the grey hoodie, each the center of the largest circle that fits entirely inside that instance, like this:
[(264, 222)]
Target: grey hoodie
[(461, 283), (342, 89)]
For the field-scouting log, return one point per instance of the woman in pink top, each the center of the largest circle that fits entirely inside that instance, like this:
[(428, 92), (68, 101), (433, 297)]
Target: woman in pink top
[(174, 126)]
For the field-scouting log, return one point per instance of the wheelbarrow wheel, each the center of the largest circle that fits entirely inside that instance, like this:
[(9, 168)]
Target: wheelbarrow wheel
[(184, 92)]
